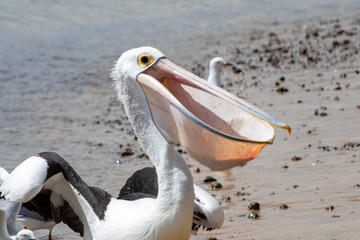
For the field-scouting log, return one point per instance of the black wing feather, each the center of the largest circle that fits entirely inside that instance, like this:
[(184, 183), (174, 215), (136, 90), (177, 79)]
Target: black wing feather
[(97, 198)]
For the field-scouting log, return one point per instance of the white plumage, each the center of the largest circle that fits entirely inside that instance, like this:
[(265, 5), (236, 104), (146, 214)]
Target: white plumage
[(215, 66)]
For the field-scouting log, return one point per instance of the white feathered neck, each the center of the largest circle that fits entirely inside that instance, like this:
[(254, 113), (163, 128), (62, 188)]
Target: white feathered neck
[(176, 193)]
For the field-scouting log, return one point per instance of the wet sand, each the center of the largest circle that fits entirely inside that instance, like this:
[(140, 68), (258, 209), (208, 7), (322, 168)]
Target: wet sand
[(306, 74)]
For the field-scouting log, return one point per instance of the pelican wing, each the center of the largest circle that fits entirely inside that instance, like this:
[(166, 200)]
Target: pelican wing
[(52, 188)]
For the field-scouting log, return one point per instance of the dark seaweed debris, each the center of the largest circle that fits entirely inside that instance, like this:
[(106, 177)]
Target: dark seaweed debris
[(209, 179), (350, 146)]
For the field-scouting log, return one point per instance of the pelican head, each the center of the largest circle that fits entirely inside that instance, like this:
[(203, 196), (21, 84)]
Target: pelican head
[(216, 128)]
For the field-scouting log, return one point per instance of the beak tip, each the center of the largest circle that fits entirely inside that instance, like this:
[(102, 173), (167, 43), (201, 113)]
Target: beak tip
[(288, 128)]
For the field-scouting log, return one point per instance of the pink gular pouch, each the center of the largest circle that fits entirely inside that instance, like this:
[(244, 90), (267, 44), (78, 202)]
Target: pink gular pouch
[(216, 128)]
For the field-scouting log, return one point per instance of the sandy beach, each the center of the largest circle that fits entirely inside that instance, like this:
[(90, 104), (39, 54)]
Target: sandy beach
[(306, 73), (308, 76)]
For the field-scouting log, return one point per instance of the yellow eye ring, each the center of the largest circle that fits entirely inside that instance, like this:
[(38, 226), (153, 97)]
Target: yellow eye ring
[(145, 60)]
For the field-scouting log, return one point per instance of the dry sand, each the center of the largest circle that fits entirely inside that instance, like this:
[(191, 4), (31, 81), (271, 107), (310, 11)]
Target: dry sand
[(307, 75)]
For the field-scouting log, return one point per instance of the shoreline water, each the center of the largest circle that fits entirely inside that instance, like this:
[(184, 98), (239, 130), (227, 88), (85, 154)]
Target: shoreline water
[(76, 114)]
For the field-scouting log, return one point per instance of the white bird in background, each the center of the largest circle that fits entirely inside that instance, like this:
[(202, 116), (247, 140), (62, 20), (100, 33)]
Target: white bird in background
[(165, 104), (23, 234), (215, 66)]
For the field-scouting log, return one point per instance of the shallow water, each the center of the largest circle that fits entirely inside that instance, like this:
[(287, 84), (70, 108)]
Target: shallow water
[(56, 95)]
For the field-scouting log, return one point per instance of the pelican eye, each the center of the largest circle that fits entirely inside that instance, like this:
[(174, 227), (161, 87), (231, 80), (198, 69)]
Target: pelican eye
[(145, 60)]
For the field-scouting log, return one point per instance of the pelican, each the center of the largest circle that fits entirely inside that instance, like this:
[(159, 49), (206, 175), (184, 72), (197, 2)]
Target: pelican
[(215, 66), (18, 215), (165, 105), (23, 234)]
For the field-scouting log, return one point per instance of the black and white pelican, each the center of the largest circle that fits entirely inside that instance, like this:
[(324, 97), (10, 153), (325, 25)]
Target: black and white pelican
[(165, 105), (215, 66)]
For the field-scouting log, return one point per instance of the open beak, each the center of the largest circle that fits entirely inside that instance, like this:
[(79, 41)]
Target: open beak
[(215, 127)]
